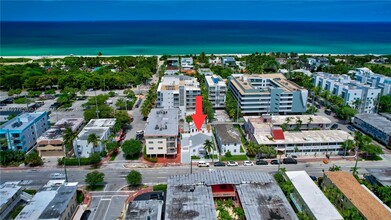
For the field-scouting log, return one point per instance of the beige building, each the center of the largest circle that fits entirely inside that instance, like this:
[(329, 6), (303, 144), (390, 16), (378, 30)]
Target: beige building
[(161, 132), (50, 144), (352, 194)]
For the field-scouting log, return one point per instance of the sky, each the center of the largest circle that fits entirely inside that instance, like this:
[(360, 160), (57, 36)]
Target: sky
[(276, 10)]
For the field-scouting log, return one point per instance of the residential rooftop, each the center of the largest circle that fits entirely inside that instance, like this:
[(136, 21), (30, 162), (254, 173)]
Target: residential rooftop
[(215, 80), (162, 122), (311, 194), (176, 81), (382, 175), (51, 200), (55, 134), (196, 139), (190, 196), (205, 71), (365, 202), (99, 132), (377, 121), (22, 121), (146, 206), (227, 133), (7, 191), (303, 137), (103, 122), (306, 119)]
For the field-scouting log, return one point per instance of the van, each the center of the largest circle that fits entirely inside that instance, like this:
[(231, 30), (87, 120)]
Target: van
[(203, 164)]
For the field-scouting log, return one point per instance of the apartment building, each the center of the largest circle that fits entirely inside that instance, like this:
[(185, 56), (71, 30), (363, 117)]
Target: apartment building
[(9, 197), (172, 66), (178, 92), (23, 131), (101, 128), (267, 93), (51, 143), (187, 63), (355, 94), (366, 76), (300, 142), (375, 125), (161, 132), (217, 90), (293, 122), (54, 201)]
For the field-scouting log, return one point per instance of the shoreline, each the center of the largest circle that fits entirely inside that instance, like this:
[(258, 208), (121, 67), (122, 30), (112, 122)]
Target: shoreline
[(159, 55)]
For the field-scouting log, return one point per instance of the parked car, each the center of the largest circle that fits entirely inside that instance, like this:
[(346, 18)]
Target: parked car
[(314, 178), (57, 176), (261, 162), (203, 164), (293, 155), (327, 112), (248, 163), (289, 160), (351, 128), (334, 126), (219, 164), (85, 215), (232, 163), (275, 162)]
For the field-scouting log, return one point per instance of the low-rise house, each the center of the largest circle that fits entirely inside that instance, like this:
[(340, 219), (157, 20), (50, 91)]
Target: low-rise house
[(193, 145), (308, 198), (187, 63), (205, 71), (101, 128), (55, 200), (51, 143), (172, 66), (22, 132), (161, 132), (375, 125), (9, 197), (228, 61), (353, 195), (215, 61), (228, 139)]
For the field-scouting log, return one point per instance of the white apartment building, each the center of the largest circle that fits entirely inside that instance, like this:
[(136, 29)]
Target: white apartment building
[(161, 132), (217, 90), (228, 139), (193, 145), (349, 90), (101, 128), (178, 92), (187, 63), (366, 76)]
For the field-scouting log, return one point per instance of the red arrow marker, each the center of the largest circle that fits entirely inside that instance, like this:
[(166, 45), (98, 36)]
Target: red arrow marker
[(198, 117)]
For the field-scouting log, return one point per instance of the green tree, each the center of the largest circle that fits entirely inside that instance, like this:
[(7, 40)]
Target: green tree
[(189, 119), (94, 140), (68, 138), (95, 158), (94, 178), (385, 103), (346, 112), (33, 159), (134, 178), (112, 146), (384, 194), (335, 168), (131, 147)]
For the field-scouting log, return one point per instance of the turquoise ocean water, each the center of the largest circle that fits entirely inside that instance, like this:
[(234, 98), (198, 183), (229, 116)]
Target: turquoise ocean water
[(189, 37)]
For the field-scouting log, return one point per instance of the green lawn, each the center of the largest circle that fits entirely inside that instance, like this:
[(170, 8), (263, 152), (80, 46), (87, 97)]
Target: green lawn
[(234, 158)]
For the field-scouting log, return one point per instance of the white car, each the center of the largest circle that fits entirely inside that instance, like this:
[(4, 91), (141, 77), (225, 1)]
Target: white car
[(203, 164), (57, 176), (248, 163), (232, 164)]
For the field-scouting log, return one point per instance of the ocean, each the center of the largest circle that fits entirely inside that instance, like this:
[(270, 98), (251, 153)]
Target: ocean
[(190, 37)]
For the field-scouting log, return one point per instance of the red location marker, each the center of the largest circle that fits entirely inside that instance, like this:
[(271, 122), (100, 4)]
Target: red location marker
[(198, 117)]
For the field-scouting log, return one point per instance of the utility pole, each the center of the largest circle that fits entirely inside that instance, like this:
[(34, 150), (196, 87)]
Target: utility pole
[(191, 165), (355, 165)]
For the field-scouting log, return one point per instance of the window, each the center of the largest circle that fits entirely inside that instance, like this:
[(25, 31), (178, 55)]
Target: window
[(150, 142), (193, 150), (160, 142), (234, 150), (160, 148), (150, 148)]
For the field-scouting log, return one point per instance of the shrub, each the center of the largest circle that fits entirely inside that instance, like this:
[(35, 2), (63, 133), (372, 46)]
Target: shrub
[(160, 187), (80, 196), (228, 154), (103, 153), (134, 178), (94, 178)]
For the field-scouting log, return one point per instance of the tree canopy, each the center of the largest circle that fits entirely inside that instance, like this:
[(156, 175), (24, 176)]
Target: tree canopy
[(94, 178), (131, 147), (134, 178)]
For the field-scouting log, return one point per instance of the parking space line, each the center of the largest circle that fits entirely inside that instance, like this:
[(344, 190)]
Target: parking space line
[(108, 207)]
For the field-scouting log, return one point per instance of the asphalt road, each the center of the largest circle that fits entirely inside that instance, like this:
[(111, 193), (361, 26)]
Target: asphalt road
[(115, 177)]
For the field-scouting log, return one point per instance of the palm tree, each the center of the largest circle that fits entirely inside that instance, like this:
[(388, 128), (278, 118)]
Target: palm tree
[(310, 120), (348, 144), (68, 138), (357, 104), (209, 146), (94, 140)]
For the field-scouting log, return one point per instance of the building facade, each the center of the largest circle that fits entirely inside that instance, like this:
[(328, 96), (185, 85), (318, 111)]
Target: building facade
[(178, 92), (101, 128), (375, 125), (228, 139), (9, 197), (51, 144), (193, 145), (355, 94), (366, 76), (22, 132), (267, 93), (161, 132), (217, 90)]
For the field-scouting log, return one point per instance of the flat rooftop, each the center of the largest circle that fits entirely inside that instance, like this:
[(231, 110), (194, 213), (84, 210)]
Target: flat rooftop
[(228, 134), (306, 119), (50, 201), (22, 121), (304, 137), (196, 139), (100, 132), (316, 201), (365, 202), (190, 196), (104, 122), (55, 134), (174, 82), (72, 123), (215, 80), (382, 175), (205, 71), (144, 209), (162, 122), (7, 191), (377, 121)]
